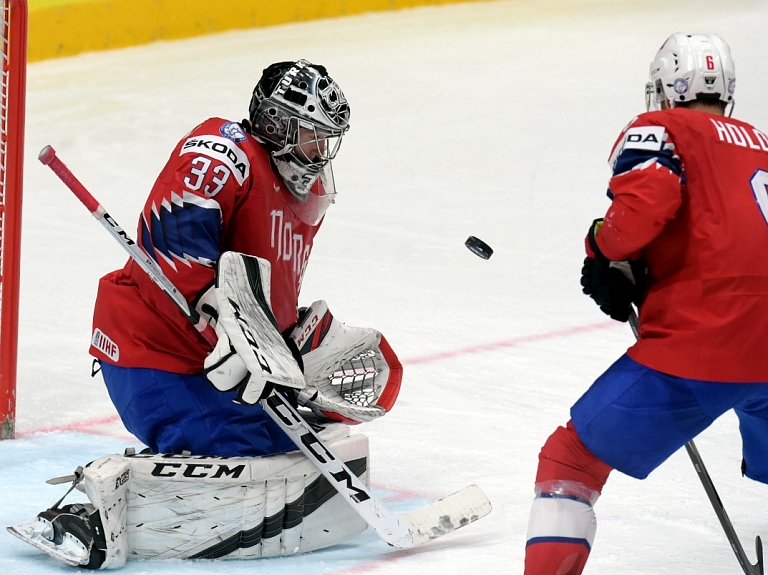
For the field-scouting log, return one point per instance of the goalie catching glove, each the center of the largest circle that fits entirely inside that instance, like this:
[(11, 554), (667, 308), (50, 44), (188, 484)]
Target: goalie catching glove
[(251, 354), (351, 373)]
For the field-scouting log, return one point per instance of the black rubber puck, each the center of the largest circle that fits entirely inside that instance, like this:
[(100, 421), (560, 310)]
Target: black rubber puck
[(478, 247)]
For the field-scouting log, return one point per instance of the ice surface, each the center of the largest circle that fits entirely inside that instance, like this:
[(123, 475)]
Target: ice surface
[(487, 119)]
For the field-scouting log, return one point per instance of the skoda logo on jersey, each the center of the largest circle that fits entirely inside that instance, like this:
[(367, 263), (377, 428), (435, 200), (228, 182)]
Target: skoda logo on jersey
[(233, 131), (221, 149), (681, 85)]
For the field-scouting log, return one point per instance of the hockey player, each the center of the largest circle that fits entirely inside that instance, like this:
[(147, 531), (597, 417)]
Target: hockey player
[(260, 187), (231, 222), (686, 238)]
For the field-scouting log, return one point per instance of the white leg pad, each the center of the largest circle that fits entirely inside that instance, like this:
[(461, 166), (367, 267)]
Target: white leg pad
[(208, 507), (186, 507), (106, 481)]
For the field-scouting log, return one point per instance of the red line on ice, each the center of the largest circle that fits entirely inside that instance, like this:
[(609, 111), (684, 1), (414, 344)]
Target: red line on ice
[(87, 425), (82, 426), (507, 343), (374, 564)]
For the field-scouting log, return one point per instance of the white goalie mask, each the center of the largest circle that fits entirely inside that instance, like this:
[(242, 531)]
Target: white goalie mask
[(689, 66), (301, 115)]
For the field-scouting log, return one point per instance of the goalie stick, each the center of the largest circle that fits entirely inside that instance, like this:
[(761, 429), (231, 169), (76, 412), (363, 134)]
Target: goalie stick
[(48, 157), (401, 531), (714, 498)]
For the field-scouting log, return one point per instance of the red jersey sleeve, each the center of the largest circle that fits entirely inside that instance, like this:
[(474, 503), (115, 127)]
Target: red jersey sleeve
[(218, 192), (187, 211), (690, 197), (646, 188)]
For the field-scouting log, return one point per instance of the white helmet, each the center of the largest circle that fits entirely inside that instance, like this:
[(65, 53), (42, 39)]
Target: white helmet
[(689, 66)]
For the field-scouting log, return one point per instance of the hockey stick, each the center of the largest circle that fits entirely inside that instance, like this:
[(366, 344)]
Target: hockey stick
[(402, 531), (48, 157), (714, 498)]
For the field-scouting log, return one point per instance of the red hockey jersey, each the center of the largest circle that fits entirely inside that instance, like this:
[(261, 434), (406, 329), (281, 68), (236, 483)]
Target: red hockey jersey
[(690, 197), (218, 192)]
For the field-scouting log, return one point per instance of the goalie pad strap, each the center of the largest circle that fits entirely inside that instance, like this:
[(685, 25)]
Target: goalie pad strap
[(106, 481)]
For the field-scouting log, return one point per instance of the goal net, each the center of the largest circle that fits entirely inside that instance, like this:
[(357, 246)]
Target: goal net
[(14, 33)]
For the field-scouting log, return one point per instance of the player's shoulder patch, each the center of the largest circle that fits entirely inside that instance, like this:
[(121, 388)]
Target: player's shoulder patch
[(105, 345), (220, 148), (233, 131), (644, 138), (638, 135)]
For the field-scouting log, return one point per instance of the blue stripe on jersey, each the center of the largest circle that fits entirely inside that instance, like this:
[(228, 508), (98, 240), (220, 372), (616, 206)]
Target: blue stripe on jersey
[(545, 495), (631, 158), (145, 240), (553, 539), (183, 231)]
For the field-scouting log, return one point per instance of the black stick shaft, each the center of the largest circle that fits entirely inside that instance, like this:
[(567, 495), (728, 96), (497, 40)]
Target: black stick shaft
[(714, 498)]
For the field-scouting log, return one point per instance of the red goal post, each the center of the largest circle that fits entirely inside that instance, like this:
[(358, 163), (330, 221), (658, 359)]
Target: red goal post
[(12, 99)]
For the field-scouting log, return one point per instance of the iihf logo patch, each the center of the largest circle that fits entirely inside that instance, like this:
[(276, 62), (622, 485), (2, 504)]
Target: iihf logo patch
[(233, 131), (105, 345), (681, 85)]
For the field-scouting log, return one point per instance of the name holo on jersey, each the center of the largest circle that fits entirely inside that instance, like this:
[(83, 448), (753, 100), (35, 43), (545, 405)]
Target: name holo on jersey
[(740, 135)]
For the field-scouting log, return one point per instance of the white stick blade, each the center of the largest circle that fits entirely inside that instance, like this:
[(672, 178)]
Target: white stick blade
[(446, 515)]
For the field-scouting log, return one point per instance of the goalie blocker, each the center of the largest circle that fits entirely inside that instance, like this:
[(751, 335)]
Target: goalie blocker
[(350, 374), (144, 506)]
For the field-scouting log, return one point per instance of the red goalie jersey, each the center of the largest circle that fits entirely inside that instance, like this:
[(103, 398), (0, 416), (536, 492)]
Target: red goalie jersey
[(690, 197), (218, 192)]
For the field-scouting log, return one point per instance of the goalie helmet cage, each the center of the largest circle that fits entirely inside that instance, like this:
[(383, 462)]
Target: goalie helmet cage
[(12, 98)]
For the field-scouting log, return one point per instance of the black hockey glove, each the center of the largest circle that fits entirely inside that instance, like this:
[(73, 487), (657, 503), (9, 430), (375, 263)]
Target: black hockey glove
[(614, 286)]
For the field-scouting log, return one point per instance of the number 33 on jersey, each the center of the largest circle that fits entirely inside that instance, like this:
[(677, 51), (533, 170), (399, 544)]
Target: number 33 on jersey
[(217, 192)]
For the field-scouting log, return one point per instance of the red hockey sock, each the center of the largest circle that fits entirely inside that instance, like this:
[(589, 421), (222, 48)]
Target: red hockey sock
[(555, 558), (562, 525), (565, 458)]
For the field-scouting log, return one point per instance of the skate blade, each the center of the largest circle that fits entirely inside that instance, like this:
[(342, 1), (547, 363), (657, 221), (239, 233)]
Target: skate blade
[(71, 551)]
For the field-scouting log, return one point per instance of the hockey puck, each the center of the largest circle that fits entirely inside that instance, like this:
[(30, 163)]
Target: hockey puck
[(478, 247)]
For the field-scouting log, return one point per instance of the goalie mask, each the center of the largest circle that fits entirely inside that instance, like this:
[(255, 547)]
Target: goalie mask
[(301, 115), (689, 67)]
